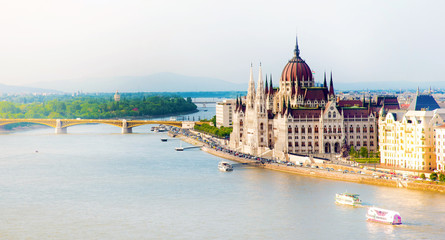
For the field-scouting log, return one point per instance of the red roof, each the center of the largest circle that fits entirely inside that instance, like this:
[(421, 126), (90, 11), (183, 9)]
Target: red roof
[(349, 103), (305, 113), (351, 113), (316, 94)]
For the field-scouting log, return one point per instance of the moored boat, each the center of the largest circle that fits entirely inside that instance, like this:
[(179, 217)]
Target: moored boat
[(383, 216), (348, 199), (164, 139), (225, 166)]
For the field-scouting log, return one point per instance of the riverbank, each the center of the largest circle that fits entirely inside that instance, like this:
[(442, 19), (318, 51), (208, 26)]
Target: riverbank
[(338, 172)]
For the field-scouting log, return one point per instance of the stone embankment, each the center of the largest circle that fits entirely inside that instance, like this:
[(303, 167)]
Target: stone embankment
[(323, 173)]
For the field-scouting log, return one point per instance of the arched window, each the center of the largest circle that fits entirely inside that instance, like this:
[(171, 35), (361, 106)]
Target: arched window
[(261, 126), (335, 129), (325, 130), (357, 129), (351, 129), (330, 129), (329, 114), (240, 123), (371, 129), (296, 129), (289, 129), (334, 115), (365, 129), (316, 129), (309, 129), (339, 130), (302, 129)]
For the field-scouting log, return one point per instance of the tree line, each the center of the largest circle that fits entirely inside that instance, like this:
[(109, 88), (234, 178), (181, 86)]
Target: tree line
[(94, 106)]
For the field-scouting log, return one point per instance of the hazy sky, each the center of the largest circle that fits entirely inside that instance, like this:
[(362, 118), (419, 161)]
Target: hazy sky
[(358, 40)]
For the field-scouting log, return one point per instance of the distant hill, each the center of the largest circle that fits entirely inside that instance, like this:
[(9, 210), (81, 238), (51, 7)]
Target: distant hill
[(19, 89), (160, 82)]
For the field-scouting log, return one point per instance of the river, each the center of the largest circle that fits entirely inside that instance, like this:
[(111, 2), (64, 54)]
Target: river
[(96, 183)]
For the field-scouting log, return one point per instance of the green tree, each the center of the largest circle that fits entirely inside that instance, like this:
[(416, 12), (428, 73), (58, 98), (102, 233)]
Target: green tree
[(441, 177), (422, 176), (352, 152), (433, 176), (363, 152)]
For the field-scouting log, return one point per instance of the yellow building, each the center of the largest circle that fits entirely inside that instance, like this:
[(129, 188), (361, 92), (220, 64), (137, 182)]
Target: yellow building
[(407, 138)]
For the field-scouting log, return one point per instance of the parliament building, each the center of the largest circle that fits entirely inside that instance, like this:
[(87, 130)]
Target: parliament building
[(301, 117)]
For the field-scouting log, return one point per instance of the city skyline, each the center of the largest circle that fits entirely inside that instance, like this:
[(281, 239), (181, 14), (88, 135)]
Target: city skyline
[(358, 42)]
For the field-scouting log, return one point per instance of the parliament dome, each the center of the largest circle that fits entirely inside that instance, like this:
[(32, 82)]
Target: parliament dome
[(296, 70)]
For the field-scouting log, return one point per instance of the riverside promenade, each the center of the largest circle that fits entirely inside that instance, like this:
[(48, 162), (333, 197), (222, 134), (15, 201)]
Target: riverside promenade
[(337, 174)]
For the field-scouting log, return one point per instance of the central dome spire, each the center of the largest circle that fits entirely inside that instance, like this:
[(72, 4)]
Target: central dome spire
[(297, 50)]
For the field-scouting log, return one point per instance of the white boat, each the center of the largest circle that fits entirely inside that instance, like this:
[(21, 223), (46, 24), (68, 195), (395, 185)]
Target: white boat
[(225, 166), (348, 199), (383, 216), (180, 148)]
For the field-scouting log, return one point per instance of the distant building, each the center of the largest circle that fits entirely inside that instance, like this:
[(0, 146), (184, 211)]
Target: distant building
[(224, 113), (117, 96), (425, 102)]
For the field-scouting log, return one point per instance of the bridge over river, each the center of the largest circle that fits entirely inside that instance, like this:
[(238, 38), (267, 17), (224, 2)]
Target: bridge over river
[(127, 126)]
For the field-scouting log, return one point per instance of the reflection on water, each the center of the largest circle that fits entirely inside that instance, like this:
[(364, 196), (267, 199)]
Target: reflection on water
[(95, 183)]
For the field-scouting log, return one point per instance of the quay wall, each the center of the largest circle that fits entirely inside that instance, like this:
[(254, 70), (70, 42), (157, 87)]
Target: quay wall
[(333, 175)]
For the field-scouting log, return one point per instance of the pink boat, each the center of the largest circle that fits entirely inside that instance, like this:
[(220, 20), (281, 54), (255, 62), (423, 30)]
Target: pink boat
[(383, 216)]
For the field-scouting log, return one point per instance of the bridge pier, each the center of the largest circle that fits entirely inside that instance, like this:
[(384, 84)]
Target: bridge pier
[(59, 128), (125, 128)]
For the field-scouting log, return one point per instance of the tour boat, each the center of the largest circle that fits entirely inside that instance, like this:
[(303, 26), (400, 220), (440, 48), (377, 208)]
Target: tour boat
[(225, 166), (348, 199), (164, 139), (383, 216)]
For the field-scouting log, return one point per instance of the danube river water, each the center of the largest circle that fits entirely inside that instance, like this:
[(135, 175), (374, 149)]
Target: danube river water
[(95, 183)]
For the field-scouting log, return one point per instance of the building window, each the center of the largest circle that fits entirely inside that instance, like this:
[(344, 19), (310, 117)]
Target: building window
[(339, 130), (365, 144), (325, 130), (316, 129), (330, 130), (371, 129), (334, 115), (261, 127), (289, 129), (329, 115), (303, 144), (309, 129), (290, 144), (358, 143), (351, 129), (357, 129), (296, 144), (302, 129), (364, 129), (316, 144)]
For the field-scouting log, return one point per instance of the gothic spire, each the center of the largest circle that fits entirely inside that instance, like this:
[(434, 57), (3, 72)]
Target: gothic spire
[(271, 85), (266, 87), (324, 83), (297, 50), (331, 87)]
